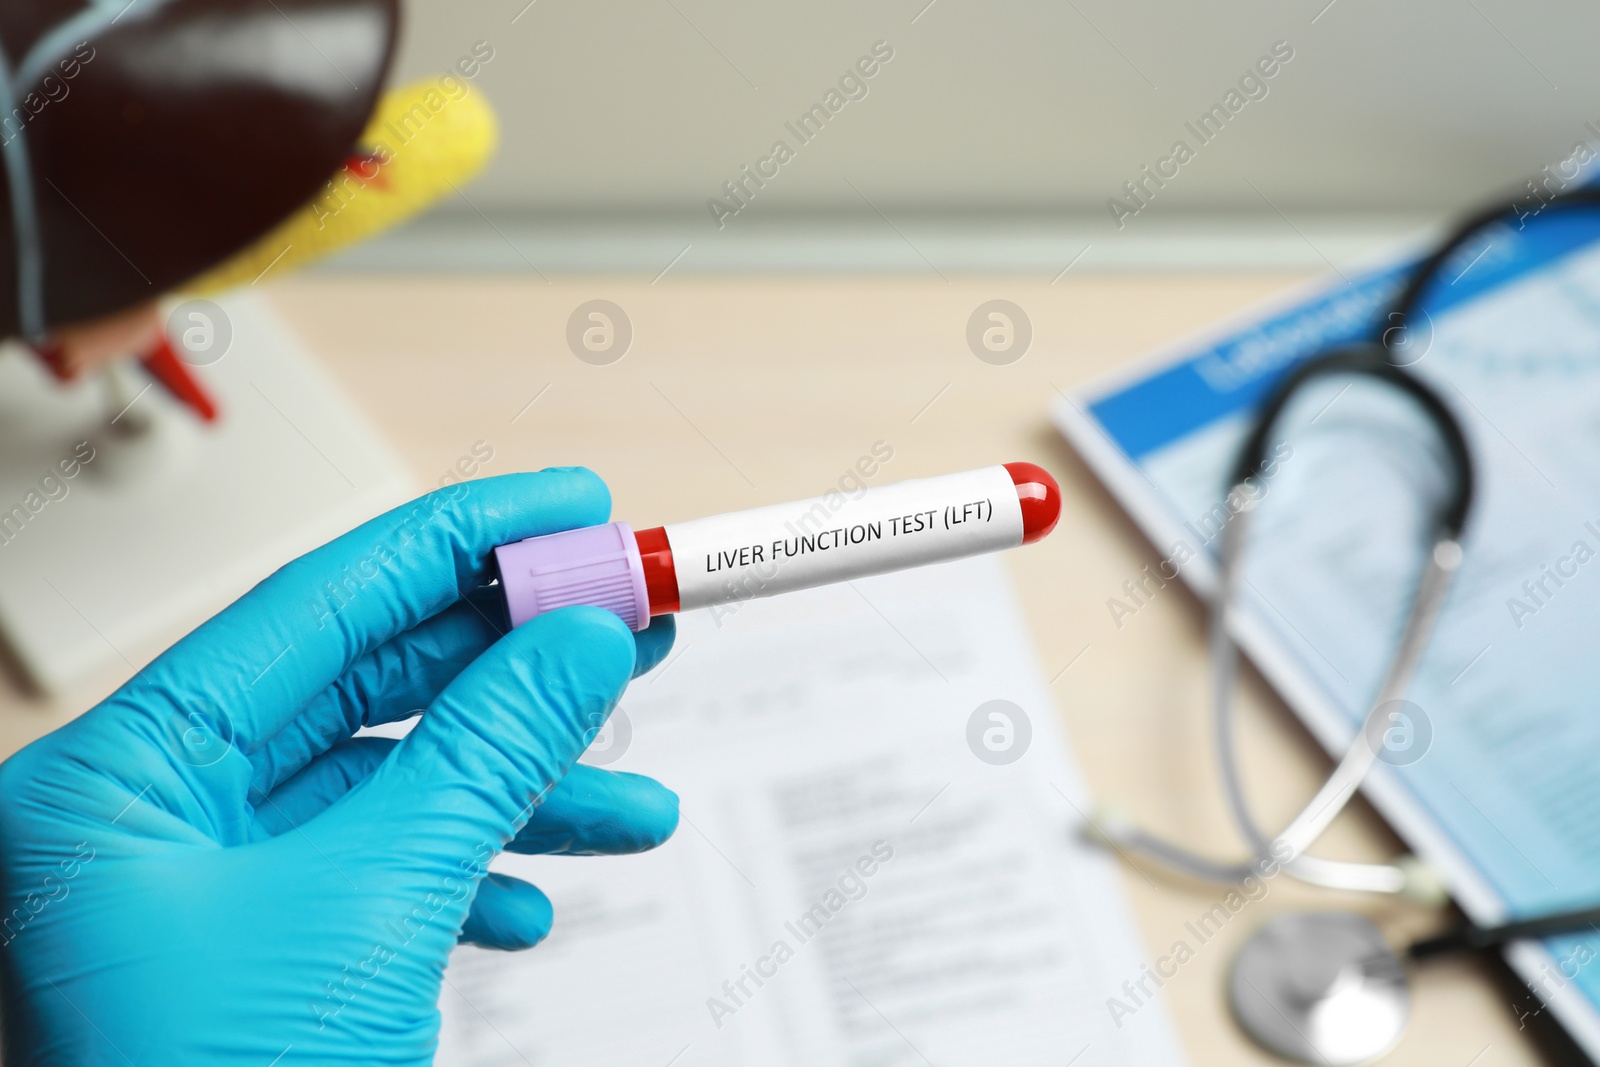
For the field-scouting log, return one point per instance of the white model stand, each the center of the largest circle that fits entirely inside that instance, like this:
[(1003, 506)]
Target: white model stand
[(165, 525)]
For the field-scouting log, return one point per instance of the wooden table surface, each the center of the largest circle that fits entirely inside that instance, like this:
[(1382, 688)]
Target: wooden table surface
[(739, 392)]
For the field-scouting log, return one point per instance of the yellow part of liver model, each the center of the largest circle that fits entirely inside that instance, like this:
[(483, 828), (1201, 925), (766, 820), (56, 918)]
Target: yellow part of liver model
[(424, 140)]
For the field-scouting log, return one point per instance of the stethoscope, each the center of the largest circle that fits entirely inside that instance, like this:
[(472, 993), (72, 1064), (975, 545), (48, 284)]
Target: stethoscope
[(1325, 987)]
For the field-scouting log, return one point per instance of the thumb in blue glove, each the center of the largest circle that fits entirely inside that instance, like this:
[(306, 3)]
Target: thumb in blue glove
[(208, 868)]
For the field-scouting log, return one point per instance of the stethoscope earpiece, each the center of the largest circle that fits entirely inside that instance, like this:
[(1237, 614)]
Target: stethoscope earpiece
[(1423, 884)]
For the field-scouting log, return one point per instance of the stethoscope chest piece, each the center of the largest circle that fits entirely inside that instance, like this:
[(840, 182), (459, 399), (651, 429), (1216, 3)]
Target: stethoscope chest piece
[(1320, 987)]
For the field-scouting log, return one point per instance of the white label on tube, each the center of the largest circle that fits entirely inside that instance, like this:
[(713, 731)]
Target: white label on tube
[(837, 537)]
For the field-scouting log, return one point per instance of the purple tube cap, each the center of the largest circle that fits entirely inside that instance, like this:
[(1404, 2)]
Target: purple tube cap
[(595, 565)]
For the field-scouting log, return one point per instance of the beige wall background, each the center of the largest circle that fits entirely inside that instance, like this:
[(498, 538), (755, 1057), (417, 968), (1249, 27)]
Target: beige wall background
[(630, 106)]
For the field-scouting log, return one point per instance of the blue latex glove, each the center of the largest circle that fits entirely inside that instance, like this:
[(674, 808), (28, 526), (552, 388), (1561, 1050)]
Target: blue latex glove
[(207, 869)]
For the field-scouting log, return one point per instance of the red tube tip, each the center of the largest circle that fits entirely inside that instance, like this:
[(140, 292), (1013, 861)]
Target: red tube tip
[(1040, 497)]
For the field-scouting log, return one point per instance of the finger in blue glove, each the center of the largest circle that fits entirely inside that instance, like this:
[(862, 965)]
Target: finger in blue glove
[(206, 868)]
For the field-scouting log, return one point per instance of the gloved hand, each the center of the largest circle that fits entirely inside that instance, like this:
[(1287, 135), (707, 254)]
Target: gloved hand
[(207, 869)]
